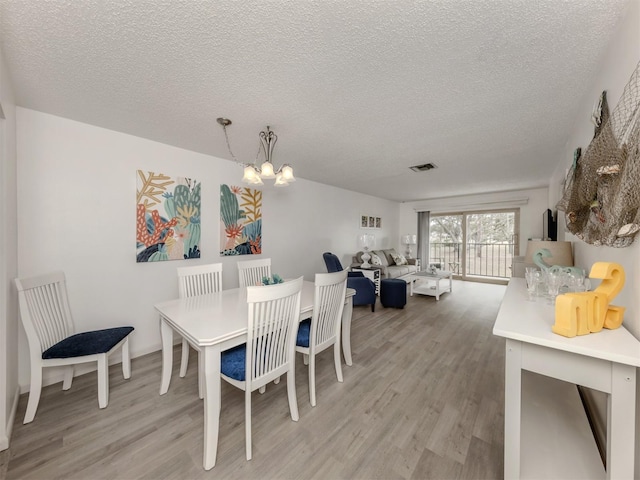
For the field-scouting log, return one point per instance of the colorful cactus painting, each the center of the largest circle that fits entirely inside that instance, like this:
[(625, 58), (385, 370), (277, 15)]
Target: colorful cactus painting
[(168, 217), (240, 221)]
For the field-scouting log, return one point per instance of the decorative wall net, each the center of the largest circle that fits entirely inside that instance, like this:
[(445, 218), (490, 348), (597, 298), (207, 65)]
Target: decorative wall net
[(601, 197)]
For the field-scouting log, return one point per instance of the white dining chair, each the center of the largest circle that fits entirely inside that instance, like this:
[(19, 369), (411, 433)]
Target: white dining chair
[(193, 281), (322, 330), (53, 341), (269, 352), (251, 272)]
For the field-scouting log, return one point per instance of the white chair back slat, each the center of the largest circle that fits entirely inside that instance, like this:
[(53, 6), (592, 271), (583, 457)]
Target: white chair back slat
[(45, 309), (34, 314), (328, 306), (56, 308), (251, 272), (199, 280), (45, 316), (273, 316)]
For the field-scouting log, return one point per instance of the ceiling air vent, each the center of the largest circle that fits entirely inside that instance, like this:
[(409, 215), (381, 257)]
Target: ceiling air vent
[(424, 167)]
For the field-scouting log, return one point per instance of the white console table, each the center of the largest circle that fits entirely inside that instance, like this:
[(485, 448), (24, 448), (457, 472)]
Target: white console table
[(604, 361)]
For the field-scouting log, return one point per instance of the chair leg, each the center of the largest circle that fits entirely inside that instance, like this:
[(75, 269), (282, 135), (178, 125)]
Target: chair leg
[(184, 363), (291, 393), (312, 380), (68, 378), (247, 421), (337, 360), (373, 306), (34, 393), (103, 381), (126, 360)]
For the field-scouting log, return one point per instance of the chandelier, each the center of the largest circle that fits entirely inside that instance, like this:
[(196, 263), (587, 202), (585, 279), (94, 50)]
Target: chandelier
[(254, 174)]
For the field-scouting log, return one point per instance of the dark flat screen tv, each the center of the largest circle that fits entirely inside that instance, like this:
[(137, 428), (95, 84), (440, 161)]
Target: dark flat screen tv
[(549, 226)]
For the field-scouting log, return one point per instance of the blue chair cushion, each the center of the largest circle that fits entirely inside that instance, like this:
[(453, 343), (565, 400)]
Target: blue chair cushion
[(232, 362), (87, 343), (304, 330)]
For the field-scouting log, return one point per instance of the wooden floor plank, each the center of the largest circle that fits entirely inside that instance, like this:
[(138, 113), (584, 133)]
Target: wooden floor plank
[(424, 399)]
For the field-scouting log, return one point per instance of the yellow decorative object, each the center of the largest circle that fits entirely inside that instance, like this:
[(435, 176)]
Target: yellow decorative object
[(614, 317), (569, 313), (599, 311), (588, 312)]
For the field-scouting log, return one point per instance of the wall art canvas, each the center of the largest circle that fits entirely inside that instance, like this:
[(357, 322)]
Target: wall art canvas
[(167, 217), (369, 221), (240, 221)]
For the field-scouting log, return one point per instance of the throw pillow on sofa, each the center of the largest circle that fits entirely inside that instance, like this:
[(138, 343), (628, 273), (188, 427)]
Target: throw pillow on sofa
[(383, 259), (399, 259), (375, 259), (388, 255)]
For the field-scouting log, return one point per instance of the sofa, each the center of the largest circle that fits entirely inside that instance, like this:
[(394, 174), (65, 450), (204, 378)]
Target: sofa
[(388, 267)]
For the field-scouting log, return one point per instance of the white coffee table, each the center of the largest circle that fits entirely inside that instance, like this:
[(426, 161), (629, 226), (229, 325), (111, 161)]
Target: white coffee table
[(431, 284)]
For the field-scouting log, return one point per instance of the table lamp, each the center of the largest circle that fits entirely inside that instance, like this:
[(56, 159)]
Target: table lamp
[(561, 252), (366, 241), (409, 240)]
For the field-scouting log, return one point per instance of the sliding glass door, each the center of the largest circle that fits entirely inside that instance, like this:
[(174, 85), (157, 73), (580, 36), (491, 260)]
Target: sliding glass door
[(446, 242), (478, 245)]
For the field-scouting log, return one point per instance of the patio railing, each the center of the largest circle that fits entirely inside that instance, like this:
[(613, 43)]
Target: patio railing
[(482, 259)]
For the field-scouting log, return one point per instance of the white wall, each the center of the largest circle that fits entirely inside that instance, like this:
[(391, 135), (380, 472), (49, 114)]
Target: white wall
[(532, 203), (76, 204), (617, 66), (615, 70), (8, 259)]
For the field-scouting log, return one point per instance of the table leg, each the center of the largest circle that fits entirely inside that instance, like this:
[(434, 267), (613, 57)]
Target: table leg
[(346, 331), (512, 408), (211, 360), (621, 409), (450, 283), (166, 333)]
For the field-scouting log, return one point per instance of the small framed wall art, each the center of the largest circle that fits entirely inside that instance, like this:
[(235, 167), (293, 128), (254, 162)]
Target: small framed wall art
[(370, 221)]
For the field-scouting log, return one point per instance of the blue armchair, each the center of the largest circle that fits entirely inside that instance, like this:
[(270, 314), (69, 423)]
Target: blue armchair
[(365, 288)]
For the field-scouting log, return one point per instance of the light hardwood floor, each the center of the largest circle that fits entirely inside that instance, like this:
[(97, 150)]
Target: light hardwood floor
[(424, 399)]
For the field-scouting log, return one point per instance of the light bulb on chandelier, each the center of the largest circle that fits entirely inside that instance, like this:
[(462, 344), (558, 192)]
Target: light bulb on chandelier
[(253, 175)]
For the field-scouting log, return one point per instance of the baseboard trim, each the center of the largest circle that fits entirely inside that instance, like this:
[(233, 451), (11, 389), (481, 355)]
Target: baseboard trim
[(4, 441)]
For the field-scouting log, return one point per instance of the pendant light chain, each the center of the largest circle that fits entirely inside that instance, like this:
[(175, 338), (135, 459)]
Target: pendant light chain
[(226, 137)]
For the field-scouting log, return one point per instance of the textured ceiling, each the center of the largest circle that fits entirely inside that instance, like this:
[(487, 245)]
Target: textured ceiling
[(357, 91)]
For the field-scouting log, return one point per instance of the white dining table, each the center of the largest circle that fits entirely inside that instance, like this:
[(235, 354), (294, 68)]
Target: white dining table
[(217, 322)]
